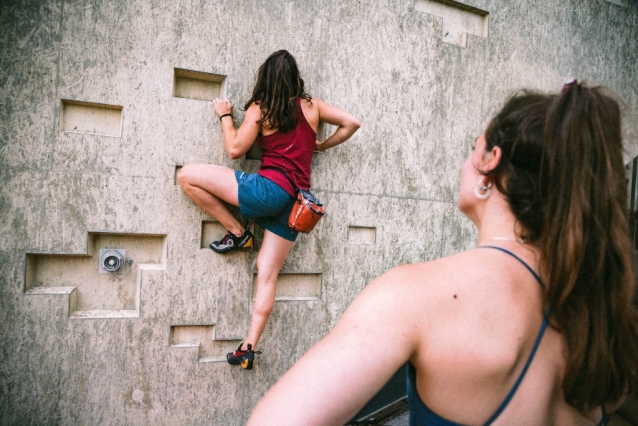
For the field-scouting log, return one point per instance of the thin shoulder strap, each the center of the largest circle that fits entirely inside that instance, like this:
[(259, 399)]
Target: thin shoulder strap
[(606, 417), (529, 268), (539, 337), (509, 396)]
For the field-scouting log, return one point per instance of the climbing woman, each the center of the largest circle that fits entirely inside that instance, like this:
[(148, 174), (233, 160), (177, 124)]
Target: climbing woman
[(283, 119)]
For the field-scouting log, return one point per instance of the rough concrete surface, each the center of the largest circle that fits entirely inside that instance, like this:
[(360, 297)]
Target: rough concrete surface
[(95, 119)]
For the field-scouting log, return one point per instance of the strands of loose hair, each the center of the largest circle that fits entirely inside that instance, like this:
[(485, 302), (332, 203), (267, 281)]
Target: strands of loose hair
[(278, 86)]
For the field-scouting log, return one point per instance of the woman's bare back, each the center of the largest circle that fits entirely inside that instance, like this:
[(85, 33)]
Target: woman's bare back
[(484, 315)]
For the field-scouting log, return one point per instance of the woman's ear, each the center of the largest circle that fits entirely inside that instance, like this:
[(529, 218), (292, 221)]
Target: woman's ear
[(492, 159)]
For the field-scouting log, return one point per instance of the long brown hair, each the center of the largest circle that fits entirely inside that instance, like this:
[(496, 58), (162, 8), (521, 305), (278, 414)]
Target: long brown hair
[(276, 90), (562, 173)]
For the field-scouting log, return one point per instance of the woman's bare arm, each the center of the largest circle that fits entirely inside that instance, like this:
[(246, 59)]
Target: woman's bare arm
[(337, 376), (347, 124), (237, 142)]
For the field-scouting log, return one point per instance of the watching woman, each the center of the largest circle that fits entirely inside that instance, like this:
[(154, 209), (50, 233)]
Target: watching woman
[(283, 119), (533, 326)]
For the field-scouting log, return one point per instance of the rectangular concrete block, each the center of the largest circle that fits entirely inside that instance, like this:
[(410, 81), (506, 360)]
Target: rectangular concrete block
[(362, 235), (91, 118), (198, 85), (295, 286), (622, 3), (459, 19), (201, 337)]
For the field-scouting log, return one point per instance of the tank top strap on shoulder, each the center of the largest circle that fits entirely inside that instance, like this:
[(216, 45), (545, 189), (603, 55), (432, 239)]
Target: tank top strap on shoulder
[(606, 417), (529, 268), (537, 342)]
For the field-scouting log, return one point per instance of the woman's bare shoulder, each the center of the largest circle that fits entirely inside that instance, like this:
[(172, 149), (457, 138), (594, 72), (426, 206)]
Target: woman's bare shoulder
[(253, 112), (254, 108), (433, 268), (310, 105), (430, 277), (310, 110)]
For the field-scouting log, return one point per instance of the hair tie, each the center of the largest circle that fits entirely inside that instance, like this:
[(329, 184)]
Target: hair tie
[(570, 82)]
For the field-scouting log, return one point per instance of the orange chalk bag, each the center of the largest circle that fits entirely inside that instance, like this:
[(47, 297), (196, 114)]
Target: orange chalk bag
[(306, 212)]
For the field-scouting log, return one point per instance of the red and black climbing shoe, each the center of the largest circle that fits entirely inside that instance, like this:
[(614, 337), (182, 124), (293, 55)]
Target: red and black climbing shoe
[(244, 358), (231, 242)]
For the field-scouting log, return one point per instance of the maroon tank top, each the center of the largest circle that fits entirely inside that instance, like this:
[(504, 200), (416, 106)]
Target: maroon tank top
[(290, 152)]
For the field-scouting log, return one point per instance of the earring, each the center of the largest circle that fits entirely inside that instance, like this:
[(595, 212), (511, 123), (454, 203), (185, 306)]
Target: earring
[(483, 191)]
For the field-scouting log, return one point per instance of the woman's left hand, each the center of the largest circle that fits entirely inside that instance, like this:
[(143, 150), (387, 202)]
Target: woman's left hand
[(238, 141), (222, 106)]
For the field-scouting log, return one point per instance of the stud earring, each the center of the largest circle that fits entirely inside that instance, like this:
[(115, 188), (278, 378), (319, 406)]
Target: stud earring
[(483, 191)]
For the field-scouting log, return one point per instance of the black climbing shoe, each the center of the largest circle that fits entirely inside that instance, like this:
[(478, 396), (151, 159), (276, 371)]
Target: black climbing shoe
[(244, 358)]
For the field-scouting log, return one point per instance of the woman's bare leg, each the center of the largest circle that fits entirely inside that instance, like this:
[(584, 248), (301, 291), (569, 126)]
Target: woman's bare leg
[(208, 185), (271, 257)]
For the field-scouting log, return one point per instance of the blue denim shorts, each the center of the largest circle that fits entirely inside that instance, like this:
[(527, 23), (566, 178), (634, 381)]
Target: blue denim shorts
[(265, 203)]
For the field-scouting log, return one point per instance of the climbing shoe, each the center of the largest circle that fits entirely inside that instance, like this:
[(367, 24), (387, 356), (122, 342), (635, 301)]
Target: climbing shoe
[(244, 358), (230, 242)]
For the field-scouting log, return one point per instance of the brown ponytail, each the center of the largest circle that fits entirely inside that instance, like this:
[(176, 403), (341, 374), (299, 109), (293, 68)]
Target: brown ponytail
[(563, 175)]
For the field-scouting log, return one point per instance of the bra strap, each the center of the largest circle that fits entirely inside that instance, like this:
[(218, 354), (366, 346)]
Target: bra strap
[(537, 343), (522, 375), (529, 268)]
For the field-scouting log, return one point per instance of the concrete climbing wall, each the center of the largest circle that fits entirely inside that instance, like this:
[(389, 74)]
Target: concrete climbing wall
[(101, 102)]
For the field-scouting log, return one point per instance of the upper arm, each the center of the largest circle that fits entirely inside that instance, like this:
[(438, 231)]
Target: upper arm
[(345, 369), (247, 132), (335, 116)]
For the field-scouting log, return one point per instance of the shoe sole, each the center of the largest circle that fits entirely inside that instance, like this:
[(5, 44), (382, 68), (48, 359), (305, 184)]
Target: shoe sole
[(221, 251)]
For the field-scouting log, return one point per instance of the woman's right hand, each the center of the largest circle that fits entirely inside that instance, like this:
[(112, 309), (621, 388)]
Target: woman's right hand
[(222, 106)]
